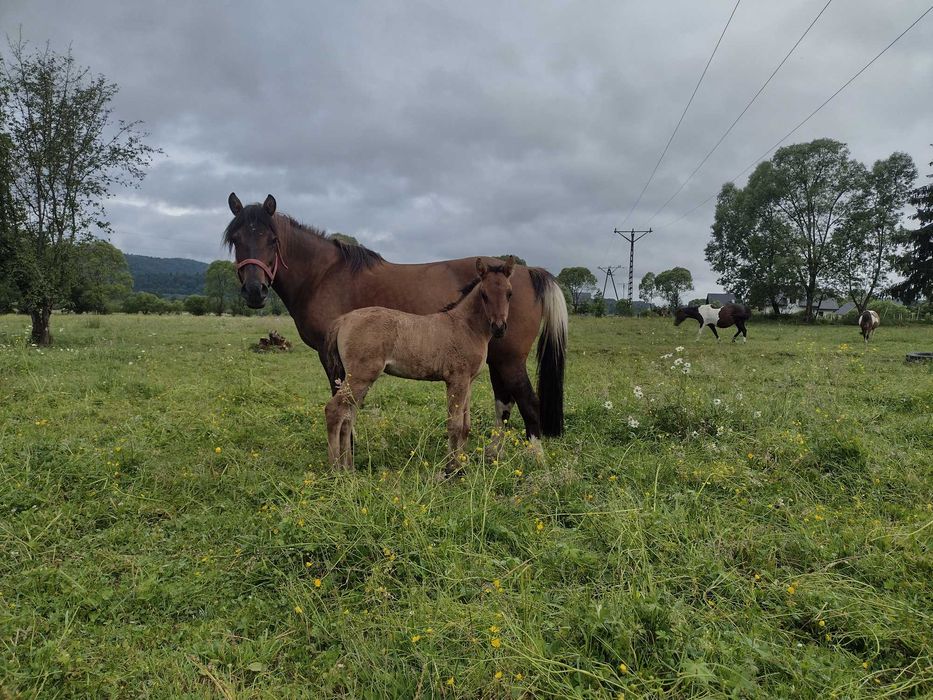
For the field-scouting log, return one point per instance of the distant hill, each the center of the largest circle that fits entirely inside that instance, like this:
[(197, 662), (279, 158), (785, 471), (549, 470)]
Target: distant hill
[(166, 276)]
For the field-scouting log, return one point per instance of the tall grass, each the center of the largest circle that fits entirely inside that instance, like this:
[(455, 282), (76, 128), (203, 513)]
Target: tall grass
[(759, 526)]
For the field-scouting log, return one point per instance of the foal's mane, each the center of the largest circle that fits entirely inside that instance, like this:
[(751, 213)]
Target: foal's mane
[(356, 257), (469, 286)]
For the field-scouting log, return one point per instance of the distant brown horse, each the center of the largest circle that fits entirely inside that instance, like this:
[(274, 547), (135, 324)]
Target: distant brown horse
[(320, 278), (711, 317), (449, 346), (868, 322)]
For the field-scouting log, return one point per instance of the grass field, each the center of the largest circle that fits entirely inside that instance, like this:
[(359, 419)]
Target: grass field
[(758, 527)]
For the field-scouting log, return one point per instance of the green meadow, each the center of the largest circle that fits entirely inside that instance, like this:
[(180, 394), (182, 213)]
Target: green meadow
[(757, 526)]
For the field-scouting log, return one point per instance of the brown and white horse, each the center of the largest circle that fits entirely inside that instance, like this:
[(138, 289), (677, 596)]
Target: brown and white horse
[(320, 278), (709, 316), (868, 322), (449, 346)]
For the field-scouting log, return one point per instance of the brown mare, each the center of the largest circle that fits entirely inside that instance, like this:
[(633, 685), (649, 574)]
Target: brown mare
[(449, 346), (319, 279), (868, 322), (711, 317)]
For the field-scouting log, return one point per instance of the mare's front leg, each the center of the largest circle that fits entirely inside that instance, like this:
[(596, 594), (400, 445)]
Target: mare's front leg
[(503, 404)]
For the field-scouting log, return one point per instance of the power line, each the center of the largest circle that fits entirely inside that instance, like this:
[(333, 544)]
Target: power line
[(808, 117), (741, 114), (689, 102)]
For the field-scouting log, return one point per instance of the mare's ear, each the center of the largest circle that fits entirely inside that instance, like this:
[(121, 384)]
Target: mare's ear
[(481, 267), (236, 206), (509, 265), (269, 205)]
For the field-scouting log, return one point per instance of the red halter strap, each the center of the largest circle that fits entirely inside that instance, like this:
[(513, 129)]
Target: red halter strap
[(263, 266)]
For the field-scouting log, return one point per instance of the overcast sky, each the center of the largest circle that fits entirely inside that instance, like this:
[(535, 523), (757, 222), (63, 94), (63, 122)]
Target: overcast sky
[(434, 130)]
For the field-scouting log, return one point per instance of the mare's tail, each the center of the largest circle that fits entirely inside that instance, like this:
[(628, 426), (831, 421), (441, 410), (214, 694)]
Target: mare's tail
[(335, 368), (552, 351)]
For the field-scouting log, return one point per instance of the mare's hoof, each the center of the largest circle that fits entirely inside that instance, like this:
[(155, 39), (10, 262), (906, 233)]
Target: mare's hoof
[(536, 450)]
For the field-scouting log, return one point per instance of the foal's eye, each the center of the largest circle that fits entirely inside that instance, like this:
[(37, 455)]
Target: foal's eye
[(508, 295), (483, 295)]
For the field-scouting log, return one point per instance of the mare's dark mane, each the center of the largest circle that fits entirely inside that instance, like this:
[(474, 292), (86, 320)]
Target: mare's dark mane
[(356, 257), (469, 286)]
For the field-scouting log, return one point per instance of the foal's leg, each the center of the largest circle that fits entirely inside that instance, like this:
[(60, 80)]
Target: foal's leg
[(356, 389), (336, 414), (457, 395)]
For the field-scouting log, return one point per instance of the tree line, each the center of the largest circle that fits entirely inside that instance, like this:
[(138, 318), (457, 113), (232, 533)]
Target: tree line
[(814, 222)]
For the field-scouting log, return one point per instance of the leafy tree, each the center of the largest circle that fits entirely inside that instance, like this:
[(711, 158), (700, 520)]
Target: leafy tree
[(749, 243), (696, 302), (812, 187), (915, 261), (196, 304), (518, 260), (102, 278), (671, 283), (598, 305), (623, 307), (577, 280), (646, 288), (9, 223), (863, 247), (69, 154), (221, 285), (143, 303)]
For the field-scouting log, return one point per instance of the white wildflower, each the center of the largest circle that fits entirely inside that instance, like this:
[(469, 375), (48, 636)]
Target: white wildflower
[(608, 405), (632, 422), (739, 396), (720, 430), (667, 356), (694, 434), (679, 348), (757, 414), (639, 394), (716, 402), (686, 369), (679, 361)]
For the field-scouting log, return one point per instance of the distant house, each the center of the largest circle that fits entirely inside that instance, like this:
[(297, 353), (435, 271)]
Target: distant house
[(846, 308), (720, 299), (825, 307)]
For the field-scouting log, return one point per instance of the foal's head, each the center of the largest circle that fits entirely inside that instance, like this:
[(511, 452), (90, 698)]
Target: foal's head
[(495, 290), (253, 237)]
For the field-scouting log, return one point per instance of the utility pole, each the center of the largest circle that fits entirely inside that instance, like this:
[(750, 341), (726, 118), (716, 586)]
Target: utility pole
[(631, 237), (608, 271)]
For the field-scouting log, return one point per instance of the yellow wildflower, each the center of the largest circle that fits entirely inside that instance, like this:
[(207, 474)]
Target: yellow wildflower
[(317, 583), (217, 450), (623, 668), (450, 681), (298, 609), (498, 675), (415, 639), (496, 642)]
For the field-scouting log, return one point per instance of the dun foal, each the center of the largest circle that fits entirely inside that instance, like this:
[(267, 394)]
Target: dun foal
[(868, 322), (449, 346)]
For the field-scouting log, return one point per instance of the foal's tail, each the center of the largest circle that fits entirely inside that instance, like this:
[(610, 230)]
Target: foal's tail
[(552, 351), (335, 368)]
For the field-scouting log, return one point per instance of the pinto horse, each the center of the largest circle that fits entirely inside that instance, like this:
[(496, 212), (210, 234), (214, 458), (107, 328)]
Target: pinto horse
[(449, 346), (868, 322), (320, 278), (708, 316)]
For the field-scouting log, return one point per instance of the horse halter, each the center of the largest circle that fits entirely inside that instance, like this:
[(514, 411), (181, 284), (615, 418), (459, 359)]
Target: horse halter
[(262, 266)]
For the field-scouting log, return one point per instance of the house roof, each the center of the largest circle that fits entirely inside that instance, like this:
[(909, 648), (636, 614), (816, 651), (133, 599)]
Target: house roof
[(828, 304), (846, 308)]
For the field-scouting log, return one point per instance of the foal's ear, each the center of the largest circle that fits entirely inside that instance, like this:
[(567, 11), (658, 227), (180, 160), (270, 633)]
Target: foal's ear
[(269, 205), (481, 267), (509, 265), (236, 206)]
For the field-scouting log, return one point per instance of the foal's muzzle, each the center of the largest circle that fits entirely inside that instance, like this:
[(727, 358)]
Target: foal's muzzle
[(498, 329), (254, 293)]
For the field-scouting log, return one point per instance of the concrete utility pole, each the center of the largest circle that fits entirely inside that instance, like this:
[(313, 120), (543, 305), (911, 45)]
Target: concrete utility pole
[(608, 271), (631, 237)]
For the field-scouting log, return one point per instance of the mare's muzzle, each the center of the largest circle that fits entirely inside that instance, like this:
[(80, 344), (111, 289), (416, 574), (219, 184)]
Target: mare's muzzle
[(254, 293)]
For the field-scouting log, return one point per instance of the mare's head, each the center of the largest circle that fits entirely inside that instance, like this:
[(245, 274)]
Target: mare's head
[(685, 312), (253, 238), (495, 290)]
